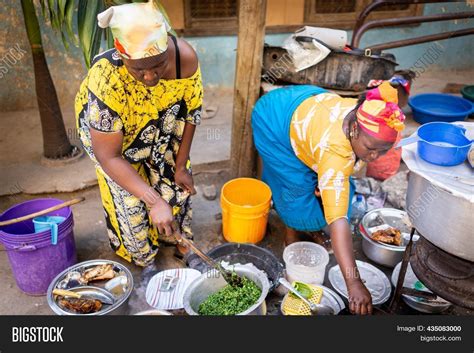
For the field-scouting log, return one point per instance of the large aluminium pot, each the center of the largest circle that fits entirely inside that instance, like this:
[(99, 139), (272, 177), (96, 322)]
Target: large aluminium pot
[(210, 282), (442, 218)]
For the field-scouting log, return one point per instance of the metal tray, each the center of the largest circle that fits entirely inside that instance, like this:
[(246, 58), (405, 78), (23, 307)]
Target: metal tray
[(375, 280), (120, 300)]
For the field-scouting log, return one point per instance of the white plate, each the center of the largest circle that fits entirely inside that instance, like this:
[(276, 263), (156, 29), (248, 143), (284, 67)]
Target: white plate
[(173, 299), (375, 280)]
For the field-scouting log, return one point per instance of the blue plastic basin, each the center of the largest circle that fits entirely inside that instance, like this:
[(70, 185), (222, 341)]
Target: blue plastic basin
[(430, 107)]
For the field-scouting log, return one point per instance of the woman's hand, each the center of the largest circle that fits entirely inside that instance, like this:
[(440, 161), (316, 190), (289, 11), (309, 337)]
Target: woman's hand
[(184, 180), (360, 300), (162, 217)]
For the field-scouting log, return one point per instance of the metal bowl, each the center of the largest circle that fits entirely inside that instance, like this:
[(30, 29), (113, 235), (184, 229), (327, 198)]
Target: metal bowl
[(120, 305), (384, 254), (212, 281)]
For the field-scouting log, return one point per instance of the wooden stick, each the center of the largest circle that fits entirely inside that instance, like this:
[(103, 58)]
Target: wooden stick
[(181, 239), (43, 212)]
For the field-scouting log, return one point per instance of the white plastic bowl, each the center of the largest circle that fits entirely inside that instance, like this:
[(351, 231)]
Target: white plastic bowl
[(305, 262)]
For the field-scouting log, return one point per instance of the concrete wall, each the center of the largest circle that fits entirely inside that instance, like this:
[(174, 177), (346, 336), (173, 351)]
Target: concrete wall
[(217, 54)]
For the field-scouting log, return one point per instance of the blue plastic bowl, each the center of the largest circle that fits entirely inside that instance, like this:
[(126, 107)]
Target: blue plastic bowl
[(429, 107), (443, 144)]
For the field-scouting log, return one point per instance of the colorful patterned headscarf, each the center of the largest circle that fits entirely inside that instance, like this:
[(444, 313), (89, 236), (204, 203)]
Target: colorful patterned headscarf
[(139, 29), (379, 115)]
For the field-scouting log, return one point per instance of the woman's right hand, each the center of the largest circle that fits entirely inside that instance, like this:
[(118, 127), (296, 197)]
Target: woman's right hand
[(360, 300), (161, 215)]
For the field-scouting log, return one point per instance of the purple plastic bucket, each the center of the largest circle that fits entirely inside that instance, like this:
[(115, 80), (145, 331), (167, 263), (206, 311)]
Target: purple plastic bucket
[(35, 262), (27, 228)]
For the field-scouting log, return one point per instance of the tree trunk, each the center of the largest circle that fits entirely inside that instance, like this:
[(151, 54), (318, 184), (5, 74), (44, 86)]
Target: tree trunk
[(55, 141), (247, 85)]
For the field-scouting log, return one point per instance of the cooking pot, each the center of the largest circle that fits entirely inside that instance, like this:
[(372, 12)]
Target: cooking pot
[(441, 217), (212, 281)]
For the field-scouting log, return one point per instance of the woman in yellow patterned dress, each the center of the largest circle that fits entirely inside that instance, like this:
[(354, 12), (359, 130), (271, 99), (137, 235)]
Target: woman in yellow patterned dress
[(136, 114)]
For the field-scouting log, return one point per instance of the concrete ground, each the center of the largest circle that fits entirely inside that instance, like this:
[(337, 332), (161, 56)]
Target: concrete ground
[(23, 178)]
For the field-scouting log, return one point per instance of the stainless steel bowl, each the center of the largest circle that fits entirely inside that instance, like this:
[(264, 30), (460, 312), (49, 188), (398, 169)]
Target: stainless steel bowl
[(384, 254), (211, 282), (119, 307)]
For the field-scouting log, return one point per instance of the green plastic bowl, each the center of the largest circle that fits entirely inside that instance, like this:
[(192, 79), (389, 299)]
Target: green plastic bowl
[(468, 92)]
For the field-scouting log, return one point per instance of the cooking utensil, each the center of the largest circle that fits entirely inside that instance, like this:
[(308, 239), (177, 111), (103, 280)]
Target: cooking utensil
[(316, 309), (440, 143), (43, 212), (384, 254), (212, 281), (86, 292), (231, 278), (440, 216), (239, 253)]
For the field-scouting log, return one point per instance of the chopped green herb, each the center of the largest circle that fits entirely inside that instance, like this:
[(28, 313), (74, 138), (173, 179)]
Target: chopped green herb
[(231, 300)]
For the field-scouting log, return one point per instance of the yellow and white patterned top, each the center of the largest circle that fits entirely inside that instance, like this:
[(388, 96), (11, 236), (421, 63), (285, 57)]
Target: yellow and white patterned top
[(319, 142)]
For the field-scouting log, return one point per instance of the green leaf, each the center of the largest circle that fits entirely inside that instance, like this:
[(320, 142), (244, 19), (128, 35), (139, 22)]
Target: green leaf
[(88, 30), (69, 12)]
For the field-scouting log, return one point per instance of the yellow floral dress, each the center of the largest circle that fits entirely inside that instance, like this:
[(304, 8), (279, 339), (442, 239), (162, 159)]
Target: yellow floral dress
[(152, 121)]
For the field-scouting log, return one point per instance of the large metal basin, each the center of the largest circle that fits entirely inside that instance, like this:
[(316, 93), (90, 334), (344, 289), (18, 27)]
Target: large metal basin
[(441, 217), (211, 281)]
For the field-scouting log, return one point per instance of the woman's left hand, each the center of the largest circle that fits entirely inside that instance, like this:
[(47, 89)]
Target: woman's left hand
[(184, 180)]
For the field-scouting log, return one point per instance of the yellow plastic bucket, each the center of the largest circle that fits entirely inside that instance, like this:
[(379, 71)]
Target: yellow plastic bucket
[(245, 205)]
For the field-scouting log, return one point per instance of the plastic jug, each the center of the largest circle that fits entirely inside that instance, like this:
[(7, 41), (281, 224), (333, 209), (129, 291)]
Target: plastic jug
[(45, 223)]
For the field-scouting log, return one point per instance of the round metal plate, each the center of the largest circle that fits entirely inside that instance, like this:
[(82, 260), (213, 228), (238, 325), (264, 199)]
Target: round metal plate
[(375, 280), (414, 302)]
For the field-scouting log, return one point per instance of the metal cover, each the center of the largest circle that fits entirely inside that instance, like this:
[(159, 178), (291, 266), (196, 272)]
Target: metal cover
[(375, 280)]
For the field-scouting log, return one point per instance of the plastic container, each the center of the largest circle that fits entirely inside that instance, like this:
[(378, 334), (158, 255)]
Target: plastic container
[(48, 223), (468, 92), (359, 208), (34, 261), (305, 262), (430, 107), (245, 206), (441, 143)]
